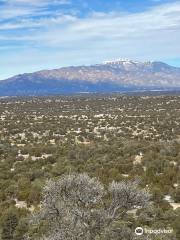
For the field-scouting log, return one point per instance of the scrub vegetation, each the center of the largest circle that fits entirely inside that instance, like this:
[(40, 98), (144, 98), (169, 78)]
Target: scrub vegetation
[(73, 159)]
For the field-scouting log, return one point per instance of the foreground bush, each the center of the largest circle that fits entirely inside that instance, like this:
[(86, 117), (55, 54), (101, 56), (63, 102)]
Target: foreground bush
[(78, 207)]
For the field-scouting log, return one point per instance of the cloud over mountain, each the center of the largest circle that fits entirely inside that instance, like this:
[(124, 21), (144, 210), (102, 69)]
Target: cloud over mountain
[(41, 34)]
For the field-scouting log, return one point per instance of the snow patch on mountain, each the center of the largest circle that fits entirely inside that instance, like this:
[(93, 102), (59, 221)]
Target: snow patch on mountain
[(121, 61)]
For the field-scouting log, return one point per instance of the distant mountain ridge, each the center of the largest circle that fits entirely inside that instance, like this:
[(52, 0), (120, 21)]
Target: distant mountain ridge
[(110, 76)]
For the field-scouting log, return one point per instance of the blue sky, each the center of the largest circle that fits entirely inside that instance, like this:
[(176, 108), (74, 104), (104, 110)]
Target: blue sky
[(46, 34)]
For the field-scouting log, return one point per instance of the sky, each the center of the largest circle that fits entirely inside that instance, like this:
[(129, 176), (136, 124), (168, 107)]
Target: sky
[(48, 34)]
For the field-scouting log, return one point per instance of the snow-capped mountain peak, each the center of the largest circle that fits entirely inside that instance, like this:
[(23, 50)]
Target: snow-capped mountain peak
[(115, 75), (120, 61)]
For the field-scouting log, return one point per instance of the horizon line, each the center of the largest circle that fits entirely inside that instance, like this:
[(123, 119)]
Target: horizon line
[(93, 64)]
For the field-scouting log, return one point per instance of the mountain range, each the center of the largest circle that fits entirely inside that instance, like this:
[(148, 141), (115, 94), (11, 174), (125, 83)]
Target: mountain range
[(110, 76)]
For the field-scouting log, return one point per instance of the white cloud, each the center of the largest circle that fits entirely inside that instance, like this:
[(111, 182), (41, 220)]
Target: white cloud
[(67, 39), (154, 27), (34, 2), (25, 8)]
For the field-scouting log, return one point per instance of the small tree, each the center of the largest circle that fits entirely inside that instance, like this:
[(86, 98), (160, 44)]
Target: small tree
[(78, 207), (9, 223)]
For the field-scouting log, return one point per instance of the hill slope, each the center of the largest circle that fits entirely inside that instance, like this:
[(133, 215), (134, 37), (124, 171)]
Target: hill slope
[(119, 75)]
